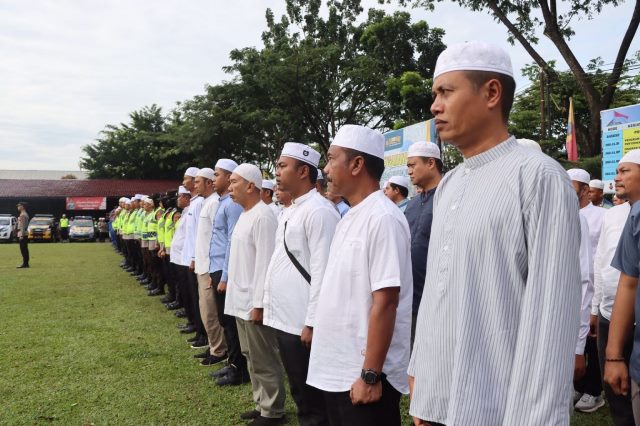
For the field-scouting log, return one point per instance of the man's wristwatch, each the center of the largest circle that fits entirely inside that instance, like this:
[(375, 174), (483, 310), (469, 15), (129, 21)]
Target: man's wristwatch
[(370, 377)]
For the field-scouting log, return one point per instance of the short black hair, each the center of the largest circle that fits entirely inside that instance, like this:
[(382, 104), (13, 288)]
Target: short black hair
[(478, 78), (313, 171), (373, 165), (403, 191)]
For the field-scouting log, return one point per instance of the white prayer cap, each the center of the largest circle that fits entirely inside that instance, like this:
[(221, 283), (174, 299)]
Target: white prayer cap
[(267, 184), (361, 139), (473, 56), (250, 173), (424, 149), (122, 199), (127, 201), (596, 183), (529, 144), (182, 190), (301, 152), (192, 171), (226, 164), (147, 200), (320, 175), (137, 197), (579, 175), (400, 180), (632, 156), (206, 173)]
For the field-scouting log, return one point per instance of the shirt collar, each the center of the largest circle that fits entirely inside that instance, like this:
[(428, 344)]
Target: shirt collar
[(403, 202), (497, 151), (301, 199), (224, 197)]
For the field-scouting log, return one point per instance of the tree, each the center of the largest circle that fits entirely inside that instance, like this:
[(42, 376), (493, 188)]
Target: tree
[(524, 121), (522, 21)]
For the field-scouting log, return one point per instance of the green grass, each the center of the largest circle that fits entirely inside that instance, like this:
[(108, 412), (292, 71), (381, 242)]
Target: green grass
[(82, 344)]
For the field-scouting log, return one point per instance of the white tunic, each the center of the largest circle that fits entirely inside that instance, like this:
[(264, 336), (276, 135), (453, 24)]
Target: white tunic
[(594, 216), (252, 245), (204, 233), (289, 301), (605, 276), (370, 251), (276, 209), (190, 228), (497, 325), (177, 243), (586, 277)]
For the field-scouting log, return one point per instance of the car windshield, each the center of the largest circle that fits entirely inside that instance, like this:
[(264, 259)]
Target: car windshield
[(83, 223), (40, 222), (4, 221)]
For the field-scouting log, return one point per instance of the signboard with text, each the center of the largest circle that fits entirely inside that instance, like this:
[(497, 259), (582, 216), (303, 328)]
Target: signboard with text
[(620, 134), (86, 203)]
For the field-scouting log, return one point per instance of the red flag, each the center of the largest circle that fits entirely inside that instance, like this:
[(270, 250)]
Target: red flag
[(572, 146), (620, 115)]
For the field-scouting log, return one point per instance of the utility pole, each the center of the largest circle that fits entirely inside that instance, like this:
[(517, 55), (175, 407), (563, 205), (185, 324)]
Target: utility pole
[(543, 124)]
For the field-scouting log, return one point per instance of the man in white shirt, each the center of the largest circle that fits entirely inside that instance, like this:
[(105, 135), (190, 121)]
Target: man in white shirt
[(295, 273), (190, 219), (284, 198), (360, 348), (266, 194), (397, 190), (175, 257), (596, 194), (252, 245), (204, 185), (606, 284), (590, 386)]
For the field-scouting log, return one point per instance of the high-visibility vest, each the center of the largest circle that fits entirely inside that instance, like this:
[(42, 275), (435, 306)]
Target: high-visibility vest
[(169, 228), (64, 222), (161, 227)]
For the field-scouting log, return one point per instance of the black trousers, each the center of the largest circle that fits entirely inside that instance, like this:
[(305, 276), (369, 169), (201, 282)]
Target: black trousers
[(342, 412), (64, 234), (172, 280), (194, 302), (591, 383), (229, 326), (24, 250), (309, 400), (619, 405)]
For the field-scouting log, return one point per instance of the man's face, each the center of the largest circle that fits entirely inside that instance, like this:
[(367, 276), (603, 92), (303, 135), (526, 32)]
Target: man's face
[(188, 182), (582, 190), (420, 170), (182, 200), (457, 107), (221, 182), (282, 196), (199, 185), (596, 195), (266, 196), (337, 170), (286, 173), (238, 187), (628, 181)]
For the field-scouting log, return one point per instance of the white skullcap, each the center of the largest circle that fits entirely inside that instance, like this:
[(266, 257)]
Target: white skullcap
[(137, 197), (400, 180), (182, 190), (206, 173), (579, 175), (529, 144), (147, 200), (267, 184), (192, 171), (301, 152), (632, 156), (473, 56), (424, 149), (122, 199), (250, 173), (320, 175), (596, 183), (127, 201), (226, 164), (361, 139)]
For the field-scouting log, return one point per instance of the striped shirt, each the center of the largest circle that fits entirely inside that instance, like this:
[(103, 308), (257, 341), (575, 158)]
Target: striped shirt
[(498, 321)]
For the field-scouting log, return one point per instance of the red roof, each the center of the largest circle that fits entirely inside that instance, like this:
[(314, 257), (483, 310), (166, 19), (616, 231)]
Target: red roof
[(14, 188)]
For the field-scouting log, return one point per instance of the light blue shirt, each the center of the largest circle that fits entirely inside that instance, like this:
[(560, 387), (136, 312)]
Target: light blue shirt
[(223, 224), (342, 207)]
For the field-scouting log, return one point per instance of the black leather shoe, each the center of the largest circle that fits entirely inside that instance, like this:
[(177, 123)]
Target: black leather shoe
[(213, 360), (222, 372), (250, 415), (22, 266), (173, 306), (235, 378), (155, 292), (200, 344), (193, 339), (183, 326), (181, 314), (204, 354), (167, 299), (188, 330), (266, 421)]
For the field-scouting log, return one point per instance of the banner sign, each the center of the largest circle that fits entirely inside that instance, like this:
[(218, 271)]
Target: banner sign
[(397, 144), (620, 134), (86, 203)]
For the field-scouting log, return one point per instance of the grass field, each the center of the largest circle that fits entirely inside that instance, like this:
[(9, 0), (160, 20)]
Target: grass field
[(82, 344)]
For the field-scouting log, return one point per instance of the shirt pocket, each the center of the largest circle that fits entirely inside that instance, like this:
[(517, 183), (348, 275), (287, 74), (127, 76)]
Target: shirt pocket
[(296, 241)]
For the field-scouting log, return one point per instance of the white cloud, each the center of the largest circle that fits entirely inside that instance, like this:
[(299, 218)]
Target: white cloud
[(69, 67)]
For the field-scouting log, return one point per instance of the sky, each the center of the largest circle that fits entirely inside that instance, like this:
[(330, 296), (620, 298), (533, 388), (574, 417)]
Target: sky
[(70, 67)]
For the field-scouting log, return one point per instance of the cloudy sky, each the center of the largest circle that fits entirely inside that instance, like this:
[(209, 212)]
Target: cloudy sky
[(68, 68)]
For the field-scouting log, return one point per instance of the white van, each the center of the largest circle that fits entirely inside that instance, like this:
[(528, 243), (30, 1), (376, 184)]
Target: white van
[(8, 228)]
